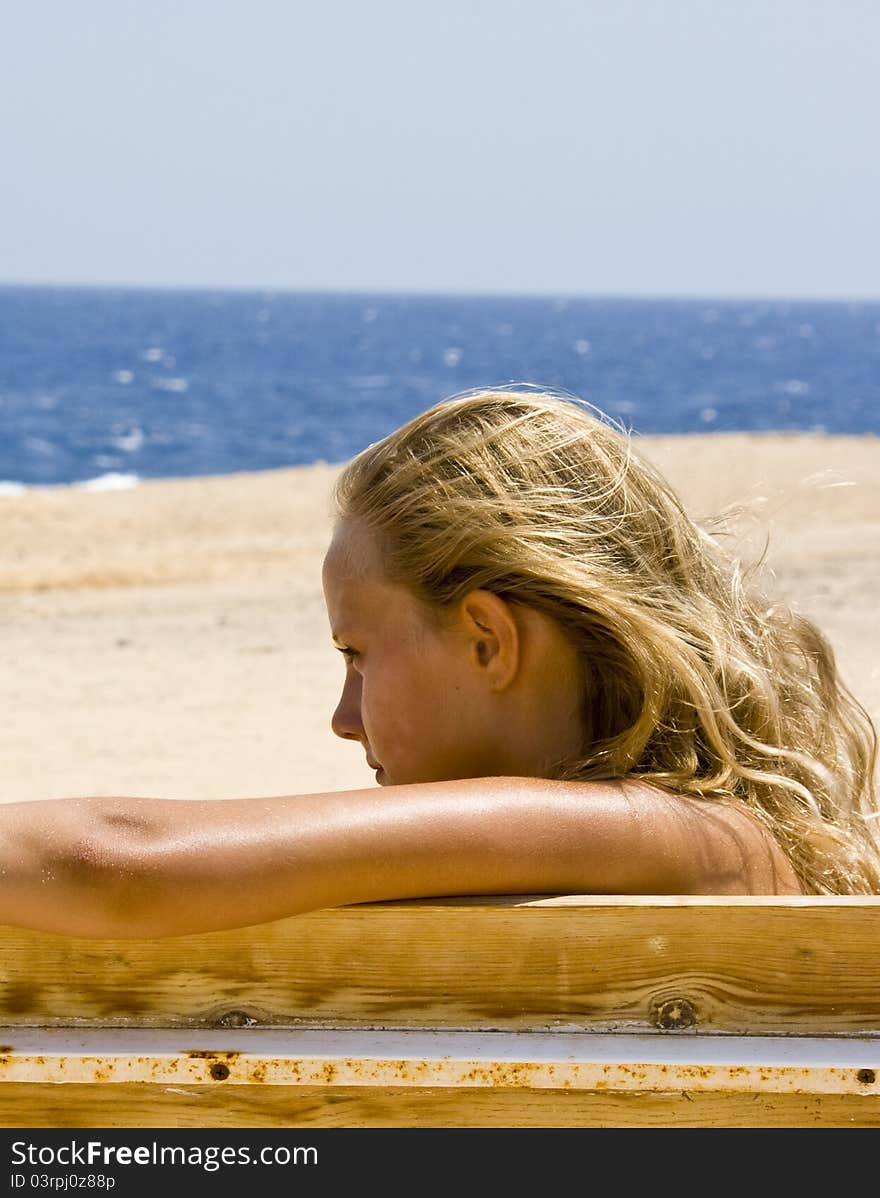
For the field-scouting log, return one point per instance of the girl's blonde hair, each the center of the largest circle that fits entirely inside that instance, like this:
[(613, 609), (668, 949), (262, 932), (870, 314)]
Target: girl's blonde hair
[(693, 681)]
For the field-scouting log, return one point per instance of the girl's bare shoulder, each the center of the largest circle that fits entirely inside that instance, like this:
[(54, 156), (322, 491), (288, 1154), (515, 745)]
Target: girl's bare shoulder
[(721, 845)]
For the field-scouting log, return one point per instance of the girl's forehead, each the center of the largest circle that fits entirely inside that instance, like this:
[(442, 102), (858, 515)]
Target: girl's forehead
[(358, 596), (353, 555)]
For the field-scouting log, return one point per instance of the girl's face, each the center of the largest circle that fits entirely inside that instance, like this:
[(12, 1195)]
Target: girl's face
[(409, 697)]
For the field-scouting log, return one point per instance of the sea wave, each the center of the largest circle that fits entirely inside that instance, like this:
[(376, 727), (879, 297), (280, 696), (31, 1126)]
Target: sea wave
[(109, 482), (103, 482)]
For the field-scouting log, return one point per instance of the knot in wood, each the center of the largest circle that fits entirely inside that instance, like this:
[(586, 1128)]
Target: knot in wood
[(235, 1019), (674, 1014)]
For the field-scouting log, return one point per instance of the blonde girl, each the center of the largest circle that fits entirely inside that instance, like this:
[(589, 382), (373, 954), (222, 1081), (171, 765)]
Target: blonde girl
[(563, 683)]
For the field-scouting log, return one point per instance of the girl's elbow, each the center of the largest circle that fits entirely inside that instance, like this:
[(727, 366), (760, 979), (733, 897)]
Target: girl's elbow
[(107, 866)]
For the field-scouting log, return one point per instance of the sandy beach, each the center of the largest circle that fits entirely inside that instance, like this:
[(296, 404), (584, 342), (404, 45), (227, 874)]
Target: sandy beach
[(171, 640)]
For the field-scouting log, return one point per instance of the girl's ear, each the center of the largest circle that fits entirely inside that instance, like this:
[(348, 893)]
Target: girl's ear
[(493, 637)]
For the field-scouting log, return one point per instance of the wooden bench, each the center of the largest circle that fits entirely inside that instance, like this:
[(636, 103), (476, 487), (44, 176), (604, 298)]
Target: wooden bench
[(475, 1012)]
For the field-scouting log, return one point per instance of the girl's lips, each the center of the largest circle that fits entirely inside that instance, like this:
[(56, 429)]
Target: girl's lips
[(380, 772)]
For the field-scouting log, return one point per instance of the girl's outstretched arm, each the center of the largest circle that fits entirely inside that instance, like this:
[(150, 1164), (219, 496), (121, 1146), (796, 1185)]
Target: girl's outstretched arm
[(131, 867)]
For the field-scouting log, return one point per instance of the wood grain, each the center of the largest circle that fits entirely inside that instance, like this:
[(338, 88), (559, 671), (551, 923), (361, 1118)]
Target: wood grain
[(798, 966), (141, 1105)]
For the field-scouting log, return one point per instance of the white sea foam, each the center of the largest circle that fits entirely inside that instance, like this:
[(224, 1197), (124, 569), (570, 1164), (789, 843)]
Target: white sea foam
[(124, 376), (103, 482), (582, 346), (109, 482), (177, 385), (154, 354), (451, 356), (130, 442)]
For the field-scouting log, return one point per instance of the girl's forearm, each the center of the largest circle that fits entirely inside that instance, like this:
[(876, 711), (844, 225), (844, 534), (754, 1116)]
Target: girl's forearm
[(66, 866), (136, 867)]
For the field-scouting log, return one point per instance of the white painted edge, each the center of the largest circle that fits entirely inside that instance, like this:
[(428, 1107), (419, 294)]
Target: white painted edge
[(610, 1063)]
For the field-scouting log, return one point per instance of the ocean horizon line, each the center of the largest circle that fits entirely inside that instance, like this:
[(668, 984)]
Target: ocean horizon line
[(367, 293)]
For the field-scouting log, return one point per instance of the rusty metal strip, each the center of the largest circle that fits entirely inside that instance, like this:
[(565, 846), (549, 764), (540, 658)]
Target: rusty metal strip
[(616, 1063)]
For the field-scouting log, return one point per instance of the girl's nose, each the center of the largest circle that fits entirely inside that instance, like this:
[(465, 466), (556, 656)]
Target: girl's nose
[(346, 721)]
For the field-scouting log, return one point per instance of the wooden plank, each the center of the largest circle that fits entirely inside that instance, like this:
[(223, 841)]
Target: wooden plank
[(741, 966), (143, 1105), (254, 1077)]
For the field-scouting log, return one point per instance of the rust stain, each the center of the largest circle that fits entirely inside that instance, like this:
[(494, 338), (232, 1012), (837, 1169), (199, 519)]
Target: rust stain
[(205, 1054)]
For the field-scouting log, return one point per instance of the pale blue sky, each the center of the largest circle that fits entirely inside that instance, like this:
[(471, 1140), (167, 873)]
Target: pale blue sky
[(595, 147)]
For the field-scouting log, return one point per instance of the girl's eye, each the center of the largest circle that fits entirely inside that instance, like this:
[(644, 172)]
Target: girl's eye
[(349, 655)]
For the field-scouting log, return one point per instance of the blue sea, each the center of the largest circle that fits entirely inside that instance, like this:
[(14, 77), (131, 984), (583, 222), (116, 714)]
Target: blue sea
[(103, 387)]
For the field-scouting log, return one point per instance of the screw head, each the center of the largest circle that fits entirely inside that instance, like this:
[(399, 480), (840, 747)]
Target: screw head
[(674, 1014), (236, 1019)]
